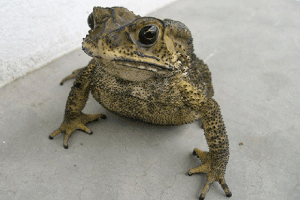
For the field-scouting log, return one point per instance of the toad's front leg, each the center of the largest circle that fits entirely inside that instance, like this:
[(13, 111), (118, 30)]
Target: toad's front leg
[(215, 171), (74, 119), (213, 162)]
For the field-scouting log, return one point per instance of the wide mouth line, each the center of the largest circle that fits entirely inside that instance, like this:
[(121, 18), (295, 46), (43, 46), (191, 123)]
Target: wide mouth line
[(142, 63)]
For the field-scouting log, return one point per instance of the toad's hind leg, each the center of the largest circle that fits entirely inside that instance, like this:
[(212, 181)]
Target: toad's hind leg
[(76, 72), (71, 76)]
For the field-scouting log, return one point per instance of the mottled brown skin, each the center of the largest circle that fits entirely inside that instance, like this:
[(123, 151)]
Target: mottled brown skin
[(144, 68)]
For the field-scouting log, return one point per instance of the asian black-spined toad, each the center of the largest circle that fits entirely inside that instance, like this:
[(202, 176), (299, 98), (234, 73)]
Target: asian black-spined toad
[(145, 68)]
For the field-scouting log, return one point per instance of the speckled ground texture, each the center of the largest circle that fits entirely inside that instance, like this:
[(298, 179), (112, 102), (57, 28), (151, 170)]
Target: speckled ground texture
[(253, 51)]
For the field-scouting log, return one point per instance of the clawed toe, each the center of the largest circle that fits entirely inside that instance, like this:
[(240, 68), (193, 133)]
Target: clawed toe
[(194, 153), (71, 76), (229, 194), (212, 170), (78, 123)]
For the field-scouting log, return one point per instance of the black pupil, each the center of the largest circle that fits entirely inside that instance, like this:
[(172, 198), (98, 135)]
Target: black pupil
[(148, 35), (91, 21)]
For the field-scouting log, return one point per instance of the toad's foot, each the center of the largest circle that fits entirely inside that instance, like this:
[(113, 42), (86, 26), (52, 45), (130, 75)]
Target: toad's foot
[(79, 123), (213, 173), (73, 75)]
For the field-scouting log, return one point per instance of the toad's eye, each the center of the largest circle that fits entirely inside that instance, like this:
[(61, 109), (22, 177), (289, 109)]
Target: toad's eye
[(148, 35), (90, 21)]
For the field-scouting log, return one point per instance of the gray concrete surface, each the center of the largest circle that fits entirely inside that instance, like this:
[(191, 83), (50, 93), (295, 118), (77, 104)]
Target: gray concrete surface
[(253, 51)]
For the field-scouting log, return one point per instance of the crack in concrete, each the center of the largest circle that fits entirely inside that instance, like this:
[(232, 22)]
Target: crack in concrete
[(169, 187), (261, 179)]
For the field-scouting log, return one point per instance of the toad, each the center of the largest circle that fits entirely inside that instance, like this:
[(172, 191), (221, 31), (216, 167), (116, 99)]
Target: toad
[(145, 68)]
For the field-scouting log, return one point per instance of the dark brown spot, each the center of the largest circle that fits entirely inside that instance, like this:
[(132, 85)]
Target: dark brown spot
[(77, 85)]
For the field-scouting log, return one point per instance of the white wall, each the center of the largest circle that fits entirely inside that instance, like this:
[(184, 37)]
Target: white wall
[(35, 32)]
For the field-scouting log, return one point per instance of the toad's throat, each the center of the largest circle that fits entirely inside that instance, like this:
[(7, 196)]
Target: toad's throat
[(142, 65)]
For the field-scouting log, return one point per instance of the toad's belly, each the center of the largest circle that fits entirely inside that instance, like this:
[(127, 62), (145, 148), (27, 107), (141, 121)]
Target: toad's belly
[(154, 113)]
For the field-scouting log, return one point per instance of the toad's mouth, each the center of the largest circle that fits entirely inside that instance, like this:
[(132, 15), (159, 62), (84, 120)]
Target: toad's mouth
[(133, 70), (142, 65)]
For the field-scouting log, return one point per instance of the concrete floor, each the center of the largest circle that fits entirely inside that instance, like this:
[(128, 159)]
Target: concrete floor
[(253, 51)]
